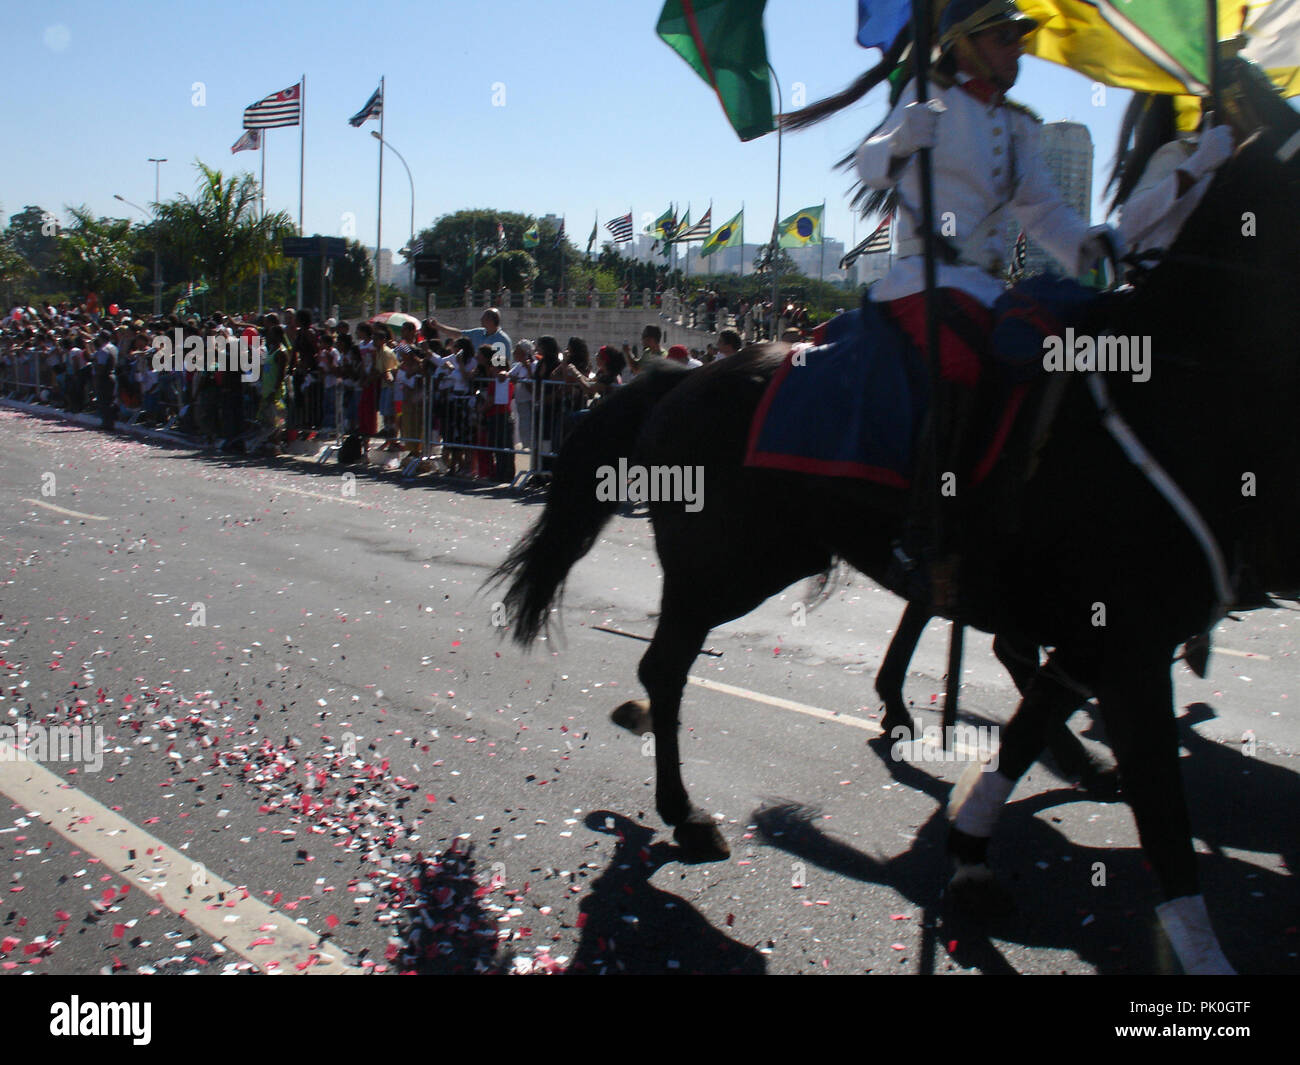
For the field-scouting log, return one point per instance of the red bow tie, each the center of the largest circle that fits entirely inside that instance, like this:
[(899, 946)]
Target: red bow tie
[(983, 90)]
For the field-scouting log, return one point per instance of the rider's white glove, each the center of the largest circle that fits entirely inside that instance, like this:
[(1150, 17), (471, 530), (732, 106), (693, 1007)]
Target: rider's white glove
[(919, 129), (1214, 150), (1101, 240)]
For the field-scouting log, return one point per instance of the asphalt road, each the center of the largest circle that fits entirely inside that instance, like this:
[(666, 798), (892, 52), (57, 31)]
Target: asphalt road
[(319, 753)]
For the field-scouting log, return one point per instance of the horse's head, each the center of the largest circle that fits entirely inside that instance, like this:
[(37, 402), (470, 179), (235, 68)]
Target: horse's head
[(1234, 267), (1224, 302)]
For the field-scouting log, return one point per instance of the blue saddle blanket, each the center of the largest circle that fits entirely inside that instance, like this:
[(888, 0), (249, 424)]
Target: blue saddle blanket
[(853, 406)]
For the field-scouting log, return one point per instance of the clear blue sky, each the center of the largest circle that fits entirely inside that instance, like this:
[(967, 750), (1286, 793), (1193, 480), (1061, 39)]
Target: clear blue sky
[(599, 116)]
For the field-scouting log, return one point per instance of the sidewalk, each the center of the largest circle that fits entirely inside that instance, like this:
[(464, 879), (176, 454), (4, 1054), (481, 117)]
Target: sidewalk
[(377, 459)]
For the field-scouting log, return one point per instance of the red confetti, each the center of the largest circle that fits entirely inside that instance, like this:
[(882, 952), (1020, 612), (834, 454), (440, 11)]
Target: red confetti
[(264, 941), (119, 930), (331, 922)]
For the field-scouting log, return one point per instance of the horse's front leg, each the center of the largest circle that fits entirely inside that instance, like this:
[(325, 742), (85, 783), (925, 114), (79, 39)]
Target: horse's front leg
[(1136, 695)]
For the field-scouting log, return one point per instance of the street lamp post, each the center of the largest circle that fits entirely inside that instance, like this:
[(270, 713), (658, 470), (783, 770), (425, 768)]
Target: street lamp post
[(149, 215), (375, 133), (157, 276)]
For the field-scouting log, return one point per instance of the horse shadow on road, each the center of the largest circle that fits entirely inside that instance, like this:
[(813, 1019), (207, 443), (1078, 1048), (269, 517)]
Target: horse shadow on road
[(630, 926), (1093, 901)]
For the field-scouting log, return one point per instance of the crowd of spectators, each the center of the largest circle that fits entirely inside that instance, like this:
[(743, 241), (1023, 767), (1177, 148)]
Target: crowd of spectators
[(462, 401)]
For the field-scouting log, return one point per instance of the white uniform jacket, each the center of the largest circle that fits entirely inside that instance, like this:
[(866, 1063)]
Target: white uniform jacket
[(987, 160), (1154, 212)]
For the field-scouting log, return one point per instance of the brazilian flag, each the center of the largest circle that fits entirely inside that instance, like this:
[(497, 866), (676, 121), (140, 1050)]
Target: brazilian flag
[(665, 225), (531, 239), (726, 236), (802, 228)]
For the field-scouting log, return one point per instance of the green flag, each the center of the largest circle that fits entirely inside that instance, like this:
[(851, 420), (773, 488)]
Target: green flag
[(665, 225), (531, 239), (801, 228), (723, 42), (726, 236)]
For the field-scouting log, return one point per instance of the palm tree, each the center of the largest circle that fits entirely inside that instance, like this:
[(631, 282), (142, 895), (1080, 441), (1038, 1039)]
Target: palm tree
[(219, 232), (95, 254)]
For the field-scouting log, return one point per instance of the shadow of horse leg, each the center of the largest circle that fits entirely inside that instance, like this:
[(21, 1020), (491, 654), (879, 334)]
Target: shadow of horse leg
[(893, 670), (677, 640)]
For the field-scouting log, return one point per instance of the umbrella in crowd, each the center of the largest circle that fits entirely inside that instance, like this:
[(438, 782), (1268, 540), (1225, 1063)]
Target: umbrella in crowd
[(394, 320)]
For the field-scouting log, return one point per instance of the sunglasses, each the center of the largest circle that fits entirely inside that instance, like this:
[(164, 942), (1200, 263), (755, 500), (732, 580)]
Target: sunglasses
[(1006, 34)]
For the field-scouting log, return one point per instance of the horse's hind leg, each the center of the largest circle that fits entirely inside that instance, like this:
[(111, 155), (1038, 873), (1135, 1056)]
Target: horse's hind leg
[(678, 638), (1072, 758), (893, 670)]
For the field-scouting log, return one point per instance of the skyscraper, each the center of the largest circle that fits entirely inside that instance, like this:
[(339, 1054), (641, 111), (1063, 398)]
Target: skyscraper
[(1067, 151)]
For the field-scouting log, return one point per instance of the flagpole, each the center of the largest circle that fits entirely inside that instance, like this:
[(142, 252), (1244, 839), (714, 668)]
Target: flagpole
[(379, 224), (261, 192), (780, 106), (1212, 49), (302, 156), (742, 238), (821, 265)]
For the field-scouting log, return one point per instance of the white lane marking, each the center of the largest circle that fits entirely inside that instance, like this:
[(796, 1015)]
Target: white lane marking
[(789, 704), (928, 739), (165, 874), (1240, 654), (64, 510)]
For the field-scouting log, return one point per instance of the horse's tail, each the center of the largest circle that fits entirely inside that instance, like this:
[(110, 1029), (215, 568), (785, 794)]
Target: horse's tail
[(539, 564)]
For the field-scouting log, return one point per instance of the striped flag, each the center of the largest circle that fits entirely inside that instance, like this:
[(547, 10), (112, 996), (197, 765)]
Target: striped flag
[(621, 228), (699, 231), (559, 237), (279, 109), (1018, 256), (373, 109), (501, 237), (878, 241), (249, 142)]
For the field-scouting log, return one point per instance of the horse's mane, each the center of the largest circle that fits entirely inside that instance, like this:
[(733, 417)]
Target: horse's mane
[(896, 67)]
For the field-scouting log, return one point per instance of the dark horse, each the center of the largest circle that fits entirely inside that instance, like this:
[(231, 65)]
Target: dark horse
[(1102, 567)]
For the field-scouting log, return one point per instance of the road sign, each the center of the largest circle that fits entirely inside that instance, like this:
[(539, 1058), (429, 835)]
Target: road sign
[(310, 247), (428, 270)]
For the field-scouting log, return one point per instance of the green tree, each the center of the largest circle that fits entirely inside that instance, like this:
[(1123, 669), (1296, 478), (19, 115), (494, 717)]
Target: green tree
[(95, 255), (351, 282), (218, 233), (32, 233), (517, 270), (468, 239)]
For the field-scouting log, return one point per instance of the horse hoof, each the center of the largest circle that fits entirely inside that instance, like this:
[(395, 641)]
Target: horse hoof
[(701, 841), (897, 718), (633, 715), (975, 892)]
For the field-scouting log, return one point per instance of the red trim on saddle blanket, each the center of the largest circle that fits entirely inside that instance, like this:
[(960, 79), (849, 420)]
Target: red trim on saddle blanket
[(964, 329)]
